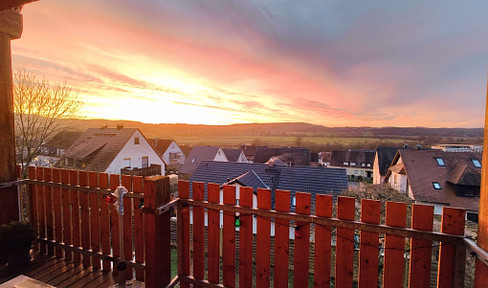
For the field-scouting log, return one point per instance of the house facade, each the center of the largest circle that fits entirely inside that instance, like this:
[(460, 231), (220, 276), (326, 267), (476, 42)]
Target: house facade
[(382, 160), (235, 155), (201, 154), (170, 151), (358, 163), (438, 178), (112, 149)]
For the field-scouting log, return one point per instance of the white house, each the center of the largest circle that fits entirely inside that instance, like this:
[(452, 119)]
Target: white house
[(170, 151), (235, 155), (200, 154), (113, 149)]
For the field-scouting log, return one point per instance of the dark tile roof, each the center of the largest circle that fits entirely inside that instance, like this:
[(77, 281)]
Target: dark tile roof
[(196, 156), (97, 147), (232, 154), (385, 156), (358, 156), (295, 155), (422, 169), (250, 150), (160, 145), (315, 180), (249, 179), (63, 139)]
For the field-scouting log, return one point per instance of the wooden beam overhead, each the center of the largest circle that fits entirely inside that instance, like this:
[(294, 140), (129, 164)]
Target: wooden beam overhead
[(8, 4)]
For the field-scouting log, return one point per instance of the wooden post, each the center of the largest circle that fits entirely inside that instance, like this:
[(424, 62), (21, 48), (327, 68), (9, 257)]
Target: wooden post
[(10, 28), (481, 275), (157, 241)]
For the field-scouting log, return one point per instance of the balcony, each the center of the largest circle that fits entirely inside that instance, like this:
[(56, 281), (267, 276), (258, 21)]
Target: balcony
[(152, 170), (216, 244)]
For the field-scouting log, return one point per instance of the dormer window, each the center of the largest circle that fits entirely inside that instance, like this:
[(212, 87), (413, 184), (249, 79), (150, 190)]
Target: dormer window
[(436, 185), (363, 164), (440, 162), (368, 164), (353, 163), (476, 163), (345, 163), (136, 140)]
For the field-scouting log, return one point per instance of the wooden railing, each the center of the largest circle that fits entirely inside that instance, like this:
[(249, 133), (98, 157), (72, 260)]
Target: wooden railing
[(243, 245), (74, 222), (146, 171)]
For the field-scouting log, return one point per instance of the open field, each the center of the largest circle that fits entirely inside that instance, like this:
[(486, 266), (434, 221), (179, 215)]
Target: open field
[(235, 141)]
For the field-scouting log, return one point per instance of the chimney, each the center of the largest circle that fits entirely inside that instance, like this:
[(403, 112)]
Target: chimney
[(120, 126)]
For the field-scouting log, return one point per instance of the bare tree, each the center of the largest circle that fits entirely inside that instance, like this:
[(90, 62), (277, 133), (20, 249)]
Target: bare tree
[(39, 106)]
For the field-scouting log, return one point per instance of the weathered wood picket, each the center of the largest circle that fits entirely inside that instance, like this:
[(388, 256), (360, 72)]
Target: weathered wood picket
[(74, 222)]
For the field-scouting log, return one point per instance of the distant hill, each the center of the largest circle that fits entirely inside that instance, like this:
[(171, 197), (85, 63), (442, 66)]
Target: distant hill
[(279, 129)]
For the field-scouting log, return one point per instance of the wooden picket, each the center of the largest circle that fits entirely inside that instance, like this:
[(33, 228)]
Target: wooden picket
[(48, 194), (94, 219), (421, 250), (58, 212), (213, 248), (323, 235), (34, 197), (452, 223), (126, 181), (263, 240), (302, 241), (85, 216), (245, 238), (105, 223), (282, 232), (137, 187), (184, 233), (368, 255), (114, 217), (198, 233), (67, 226), (41, 209), (393, 267), (345, 244), (229, 242)]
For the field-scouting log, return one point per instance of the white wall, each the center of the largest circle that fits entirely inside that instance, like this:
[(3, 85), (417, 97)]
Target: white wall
[(377, 179), (174, 148), (135, 152), (220, 156), (242, 158)]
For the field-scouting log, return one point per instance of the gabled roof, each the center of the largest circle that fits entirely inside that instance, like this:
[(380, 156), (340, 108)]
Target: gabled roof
[(385, 156), (232, 154), (358, 156), (249, 179), (197, 155), (63, 140), (315, 180), (160, 145), (422, 170), (295, 155), (98, 147)]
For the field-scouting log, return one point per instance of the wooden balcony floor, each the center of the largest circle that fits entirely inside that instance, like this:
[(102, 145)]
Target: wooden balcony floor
[(59, 273)]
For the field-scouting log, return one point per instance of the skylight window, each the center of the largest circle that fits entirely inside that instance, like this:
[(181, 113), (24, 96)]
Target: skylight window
[(476, 163), (440, 161), (436, 185)]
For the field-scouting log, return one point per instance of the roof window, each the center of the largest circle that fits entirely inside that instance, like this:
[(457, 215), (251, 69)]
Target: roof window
[(440, 161), (476, 163), (436, 185)]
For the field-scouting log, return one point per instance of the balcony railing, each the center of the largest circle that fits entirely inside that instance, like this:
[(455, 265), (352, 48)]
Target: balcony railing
[(152, 170), (245, 245)]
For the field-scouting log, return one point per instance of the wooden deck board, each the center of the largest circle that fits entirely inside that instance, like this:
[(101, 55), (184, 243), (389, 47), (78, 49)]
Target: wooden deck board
[(59, 273)]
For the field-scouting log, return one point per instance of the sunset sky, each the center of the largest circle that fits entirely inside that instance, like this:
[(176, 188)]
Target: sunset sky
[(334, 63)]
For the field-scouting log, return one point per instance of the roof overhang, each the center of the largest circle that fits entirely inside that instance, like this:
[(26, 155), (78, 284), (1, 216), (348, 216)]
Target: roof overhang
[(8, 4)]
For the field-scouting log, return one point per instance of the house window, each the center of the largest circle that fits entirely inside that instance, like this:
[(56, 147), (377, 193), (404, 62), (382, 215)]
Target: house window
[(436, 185), (145, 162), (126, 162), (353, 163), (345, 163), (363, 164), (293, 201), (368, 164), (136, 140), (440, 161), (476, 163)]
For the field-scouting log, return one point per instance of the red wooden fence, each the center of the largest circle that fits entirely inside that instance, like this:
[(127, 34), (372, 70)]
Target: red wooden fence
[(349, 242), (74, 221)]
